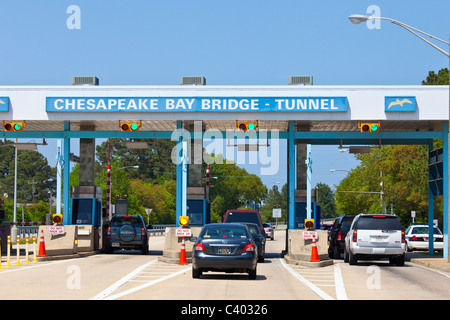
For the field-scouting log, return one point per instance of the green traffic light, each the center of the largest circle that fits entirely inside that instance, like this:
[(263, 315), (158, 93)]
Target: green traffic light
[(17, 126), (374, 128), (134, 127), (251, 126)]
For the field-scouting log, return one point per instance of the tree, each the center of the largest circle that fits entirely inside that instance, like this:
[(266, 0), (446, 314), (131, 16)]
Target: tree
[(326, 200), (442, 78), (35, 178), (235, 185), (155, 163), (404, 173)]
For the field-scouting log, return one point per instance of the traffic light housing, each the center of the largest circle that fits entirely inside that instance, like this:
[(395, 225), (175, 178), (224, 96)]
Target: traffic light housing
[(369, 126), (247, 126), (309, 223), (13, 125), (129, 126), (184, 221), (57, 218)]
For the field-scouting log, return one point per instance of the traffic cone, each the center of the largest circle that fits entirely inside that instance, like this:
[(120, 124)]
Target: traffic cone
[(314, 253), (183, 254), (42, 252)]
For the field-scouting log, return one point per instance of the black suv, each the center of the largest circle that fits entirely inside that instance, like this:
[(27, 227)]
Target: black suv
[(126, 232), (336, 235)]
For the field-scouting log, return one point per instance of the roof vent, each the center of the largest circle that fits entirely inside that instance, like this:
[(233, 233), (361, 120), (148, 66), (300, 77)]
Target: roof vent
[(195, 81), (301, 80), (84, 81)]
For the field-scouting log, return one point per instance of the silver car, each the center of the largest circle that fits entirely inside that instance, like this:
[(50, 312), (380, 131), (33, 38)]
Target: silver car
[(269, 230)]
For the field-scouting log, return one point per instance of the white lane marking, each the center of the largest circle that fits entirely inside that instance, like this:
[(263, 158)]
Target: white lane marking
[(102, 295), (313, 287), (339, 282), (145, 285)]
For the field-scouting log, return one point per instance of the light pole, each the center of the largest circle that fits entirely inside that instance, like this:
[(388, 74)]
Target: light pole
[(357, 19)]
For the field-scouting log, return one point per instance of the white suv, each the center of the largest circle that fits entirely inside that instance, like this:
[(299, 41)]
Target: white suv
[(375, 236)]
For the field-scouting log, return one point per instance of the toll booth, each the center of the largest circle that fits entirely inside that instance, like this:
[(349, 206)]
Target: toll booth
[(198, 212), (86, 211), (198, 208), (300, 214)]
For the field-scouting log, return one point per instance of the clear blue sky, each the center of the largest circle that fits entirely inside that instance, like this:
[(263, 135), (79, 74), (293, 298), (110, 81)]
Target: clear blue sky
[(233, 42)]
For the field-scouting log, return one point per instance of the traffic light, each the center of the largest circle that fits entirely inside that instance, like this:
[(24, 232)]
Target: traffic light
[(309, 223), (57, 218), (129, 126), (369, 127), (247, 126), (13, 126), (184, 221)]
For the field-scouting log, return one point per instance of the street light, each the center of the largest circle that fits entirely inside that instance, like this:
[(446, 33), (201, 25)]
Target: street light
[(359, 18)]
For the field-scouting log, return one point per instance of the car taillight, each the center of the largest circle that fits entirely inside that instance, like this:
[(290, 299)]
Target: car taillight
[(403, 236), (439, 239), (143, 233), (339, 236), (108, 232), (199, 247), (414, 238), (355, 233), (249, 248), (270, 230)]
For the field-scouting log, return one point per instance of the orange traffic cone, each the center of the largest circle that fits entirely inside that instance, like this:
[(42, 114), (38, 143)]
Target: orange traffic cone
[(314, 253), (183, 254), (42, 252)]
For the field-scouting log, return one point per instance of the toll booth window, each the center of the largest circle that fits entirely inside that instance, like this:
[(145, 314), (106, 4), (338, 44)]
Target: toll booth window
[(82, 211)]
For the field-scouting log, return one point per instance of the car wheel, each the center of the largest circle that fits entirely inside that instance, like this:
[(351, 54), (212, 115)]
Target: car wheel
[(398, 261), (346, 256), (196, 273), (108, 249), (336, 253), (352, 259), (330, 253), (252, 274), (144, 249)]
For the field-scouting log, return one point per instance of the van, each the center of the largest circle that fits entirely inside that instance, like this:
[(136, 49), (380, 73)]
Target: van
[(251, 216)]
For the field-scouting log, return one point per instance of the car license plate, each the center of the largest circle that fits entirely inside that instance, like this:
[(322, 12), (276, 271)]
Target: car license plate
[(115, 244), (224, 250)]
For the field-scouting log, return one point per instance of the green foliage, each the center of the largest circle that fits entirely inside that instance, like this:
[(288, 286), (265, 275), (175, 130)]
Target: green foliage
[(405, 176), (442, 78), (326, 200)]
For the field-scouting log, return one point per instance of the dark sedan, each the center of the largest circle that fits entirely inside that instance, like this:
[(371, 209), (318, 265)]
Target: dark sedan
[(259, 239), (224, 247)]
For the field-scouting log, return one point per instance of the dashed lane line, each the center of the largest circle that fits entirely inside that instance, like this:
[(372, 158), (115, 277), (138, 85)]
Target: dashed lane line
[(139, 275), (314, 279)]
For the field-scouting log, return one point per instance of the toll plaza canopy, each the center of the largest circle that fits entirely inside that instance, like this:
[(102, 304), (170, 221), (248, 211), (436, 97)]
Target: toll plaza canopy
[(300, 114)]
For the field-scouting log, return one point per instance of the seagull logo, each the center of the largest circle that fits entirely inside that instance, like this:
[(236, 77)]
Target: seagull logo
[(399, 102), (2, 102)]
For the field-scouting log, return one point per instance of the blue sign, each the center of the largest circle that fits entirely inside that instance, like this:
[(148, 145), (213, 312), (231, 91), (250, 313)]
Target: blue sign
[(4, 104), (196, 104), (400, 104)]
